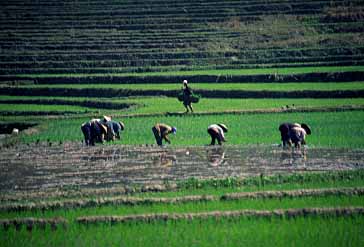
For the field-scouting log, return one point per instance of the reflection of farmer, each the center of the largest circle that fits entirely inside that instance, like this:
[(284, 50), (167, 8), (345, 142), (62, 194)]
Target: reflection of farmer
[(216, 156), (294, 133), (216, 132), (187, 93), (165, 160), (94, 131), (113, 130), (161, 132)]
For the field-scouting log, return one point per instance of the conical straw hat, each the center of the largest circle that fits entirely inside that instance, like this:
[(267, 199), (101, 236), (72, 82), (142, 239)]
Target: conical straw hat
[(223, 126)]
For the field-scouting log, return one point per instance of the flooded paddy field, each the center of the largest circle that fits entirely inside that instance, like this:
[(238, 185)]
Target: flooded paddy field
[(34, 167)]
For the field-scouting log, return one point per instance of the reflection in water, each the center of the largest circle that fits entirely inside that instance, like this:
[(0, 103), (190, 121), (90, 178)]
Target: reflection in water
[(216, 156), (28, 167), (294, 157), (164, 160)]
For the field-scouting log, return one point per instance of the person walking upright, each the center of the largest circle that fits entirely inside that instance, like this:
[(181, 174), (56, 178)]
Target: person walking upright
[(187, 93)]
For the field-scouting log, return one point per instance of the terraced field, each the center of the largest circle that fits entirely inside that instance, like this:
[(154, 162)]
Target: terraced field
[(255, 64), (136, 36)]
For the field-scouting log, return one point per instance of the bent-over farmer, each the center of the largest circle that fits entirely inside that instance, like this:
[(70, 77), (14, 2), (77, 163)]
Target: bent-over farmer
[(294, 133), (216, 132), (93, 131), (161, 131), (114, 129)]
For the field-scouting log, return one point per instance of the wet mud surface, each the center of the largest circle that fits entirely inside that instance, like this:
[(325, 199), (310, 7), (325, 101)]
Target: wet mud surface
[(41, 167)]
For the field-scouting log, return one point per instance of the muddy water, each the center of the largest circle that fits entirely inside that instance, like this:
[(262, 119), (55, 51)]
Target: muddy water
[(67, 165)]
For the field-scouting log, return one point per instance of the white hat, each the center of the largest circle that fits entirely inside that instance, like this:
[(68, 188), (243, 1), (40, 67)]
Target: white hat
[(106, 118), (185, 82), (223, 126)]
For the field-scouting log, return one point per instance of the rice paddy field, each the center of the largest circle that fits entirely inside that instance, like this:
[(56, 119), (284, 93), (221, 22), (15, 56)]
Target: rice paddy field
[(254, 64)]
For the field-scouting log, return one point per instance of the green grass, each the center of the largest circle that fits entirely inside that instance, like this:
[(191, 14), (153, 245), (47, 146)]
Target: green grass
[(219, 187), (195, 207), (330, 129), (299, 231), (42, 108), (280, 71), (152, 105), (164, 104), (239, 232), (300, 86)]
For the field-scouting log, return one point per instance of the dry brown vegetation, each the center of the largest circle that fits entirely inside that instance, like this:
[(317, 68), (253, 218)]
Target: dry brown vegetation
[(279, 213), (128, 200), (31, 223)]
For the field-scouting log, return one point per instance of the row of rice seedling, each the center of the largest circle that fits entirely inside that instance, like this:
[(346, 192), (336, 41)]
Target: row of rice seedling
[(339, 180), (163, 105), (297, 86), (155, 60), (212, 72), (235, 19), (190, 62), (290, 213), (127, 55), (329, 201), (41, 108), (31, 223), (155, 69), (159, 8), (130, 200), (234, 93), (265, 232), (331, 129)]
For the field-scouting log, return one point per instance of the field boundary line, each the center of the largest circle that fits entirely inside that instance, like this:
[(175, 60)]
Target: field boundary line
[(132, 201), (31, 222), (277, 213), (283, 109), (257, 111)]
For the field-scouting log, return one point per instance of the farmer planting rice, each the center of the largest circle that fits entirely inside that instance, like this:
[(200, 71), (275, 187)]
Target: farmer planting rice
[(161, 131), (97, 130), (94, 131), (216, 132), (294, 133), (114, 129)]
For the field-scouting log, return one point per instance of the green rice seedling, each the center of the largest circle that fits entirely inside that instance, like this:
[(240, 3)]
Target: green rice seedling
[(297, 86), (330, 129), (215, 187), (281, 71), (41, 108), (194, 207), (243, 231), (158, 105)]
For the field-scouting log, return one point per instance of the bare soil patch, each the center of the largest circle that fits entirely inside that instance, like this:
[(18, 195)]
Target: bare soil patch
[(71, 165)]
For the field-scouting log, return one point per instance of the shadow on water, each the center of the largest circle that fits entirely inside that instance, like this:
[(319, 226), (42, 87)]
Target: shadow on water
[(35, 167)]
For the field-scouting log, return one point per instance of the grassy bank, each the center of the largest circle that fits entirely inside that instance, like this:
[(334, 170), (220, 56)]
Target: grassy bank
[(220, 72), (156, 105), (299, 86)]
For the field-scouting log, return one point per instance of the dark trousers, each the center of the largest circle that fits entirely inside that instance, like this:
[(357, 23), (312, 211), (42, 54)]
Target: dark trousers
[(214, 136), (87, 133), (92, 133), (284, 129), (157, 136)]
